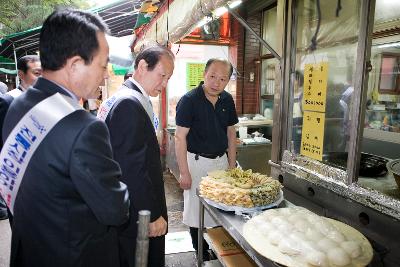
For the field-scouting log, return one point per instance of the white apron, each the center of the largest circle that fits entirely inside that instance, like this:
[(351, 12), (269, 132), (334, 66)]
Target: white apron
[(198, 169)]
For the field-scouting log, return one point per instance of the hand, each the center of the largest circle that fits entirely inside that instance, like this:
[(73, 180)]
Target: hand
[(185, 181), (158, 227)]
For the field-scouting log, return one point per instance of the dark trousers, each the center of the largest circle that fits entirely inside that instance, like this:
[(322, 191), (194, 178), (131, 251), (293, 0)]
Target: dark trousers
[(156, 257), (5, 212), (194, 234)]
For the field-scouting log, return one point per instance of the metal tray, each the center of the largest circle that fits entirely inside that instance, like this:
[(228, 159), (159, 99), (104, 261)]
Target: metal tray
[(370, 165)]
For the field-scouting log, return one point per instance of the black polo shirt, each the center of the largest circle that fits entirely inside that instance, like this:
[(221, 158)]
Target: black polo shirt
[(208, 126)]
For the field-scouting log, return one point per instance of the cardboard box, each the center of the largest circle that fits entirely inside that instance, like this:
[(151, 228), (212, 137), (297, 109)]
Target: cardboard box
[(227, 249)]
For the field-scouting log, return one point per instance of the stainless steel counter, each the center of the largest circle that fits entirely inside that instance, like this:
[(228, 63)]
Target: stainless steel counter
[(385, 184), (255, 156), (233, 224)]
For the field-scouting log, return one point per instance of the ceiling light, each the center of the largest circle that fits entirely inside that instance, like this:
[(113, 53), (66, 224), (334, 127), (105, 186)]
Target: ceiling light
[(234, 4), (204, 21), (389, 45)]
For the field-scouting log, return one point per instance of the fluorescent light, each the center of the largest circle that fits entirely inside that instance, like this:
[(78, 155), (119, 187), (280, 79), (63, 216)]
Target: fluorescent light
[(234, 4), (204, 21), (220, 11), (389, 45)]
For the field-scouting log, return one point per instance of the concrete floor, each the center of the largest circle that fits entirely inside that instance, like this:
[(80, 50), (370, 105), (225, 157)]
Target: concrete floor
[(174, 199), (5, 241)]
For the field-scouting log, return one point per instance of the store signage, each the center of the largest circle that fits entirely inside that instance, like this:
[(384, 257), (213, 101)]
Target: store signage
[(314, 106), (315, 84), (312, 137), (194, 74)]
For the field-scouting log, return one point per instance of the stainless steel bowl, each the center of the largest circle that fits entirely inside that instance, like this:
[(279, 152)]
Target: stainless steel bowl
[(393, 166)]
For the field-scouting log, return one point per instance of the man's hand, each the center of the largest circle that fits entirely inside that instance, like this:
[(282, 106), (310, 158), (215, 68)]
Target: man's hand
[(158, 227), (185, 181)]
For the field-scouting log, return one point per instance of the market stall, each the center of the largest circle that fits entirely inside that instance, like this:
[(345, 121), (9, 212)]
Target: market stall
[(252, 209), (341, 170), (327, 71)]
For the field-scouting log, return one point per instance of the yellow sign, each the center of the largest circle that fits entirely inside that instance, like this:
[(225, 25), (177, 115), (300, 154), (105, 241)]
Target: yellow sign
[(194, 74), (312, 137), (315, 83)]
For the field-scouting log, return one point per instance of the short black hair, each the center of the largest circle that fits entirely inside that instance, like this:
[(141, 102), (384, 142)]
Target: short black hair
[(67, 33), (299, 76), (212, 60), (22, 63), (152, 55), (127, 75)]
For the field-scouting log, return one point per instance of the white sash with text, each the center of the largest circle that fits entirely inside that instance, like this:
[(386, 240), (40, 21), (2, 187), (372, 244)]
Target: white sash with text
[(25, 138), (107, 105)]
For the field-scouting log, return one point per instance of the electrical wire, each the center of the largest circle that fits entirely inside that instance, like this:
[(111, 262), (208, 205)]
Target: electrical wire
[(313, 45), (167, 22), (338, 7)]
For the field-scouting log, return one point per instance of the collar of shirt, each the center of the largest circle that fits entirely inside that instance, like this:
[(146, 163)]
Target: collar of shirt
[(72, 95), (20, 87), (140, 87)]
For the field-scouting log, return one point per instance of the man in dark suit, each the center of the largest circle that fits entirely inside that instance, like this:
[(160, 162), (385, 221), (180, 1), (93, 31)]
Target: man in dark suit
[(29, 70), (136, 149), (70, 195)]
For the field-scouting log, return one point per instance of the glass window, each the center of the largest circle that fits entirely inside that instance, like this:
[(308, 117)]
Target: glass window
[(324, 96), (382, 110), (268, 63), (269, 30)]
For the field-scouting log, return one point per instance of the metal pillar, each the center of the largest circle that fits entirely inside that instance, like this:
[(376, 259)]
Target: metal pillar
[(200, 236), (16, 67), (142, 240)]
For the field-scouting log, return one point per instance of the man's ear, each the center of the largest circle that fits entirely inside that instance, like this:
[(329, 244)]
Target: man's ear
[(21, 74), (73, 64), (142, 66)]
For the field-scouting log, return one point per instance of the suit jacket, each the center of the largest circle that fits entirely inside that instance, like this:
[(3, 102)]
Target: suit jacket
[(136, 149), (5, 101), (70, 196)]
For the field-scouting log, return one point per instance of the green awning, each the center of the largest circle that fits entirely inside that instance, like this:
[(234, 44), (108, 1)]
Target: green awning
[(6, 60), (119, 70), (120, 16), (8, 71)]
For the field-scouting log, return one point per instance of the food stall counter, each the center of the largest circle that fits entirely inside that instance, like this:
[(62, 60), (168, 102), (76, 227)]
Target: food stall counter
[(233, 224)]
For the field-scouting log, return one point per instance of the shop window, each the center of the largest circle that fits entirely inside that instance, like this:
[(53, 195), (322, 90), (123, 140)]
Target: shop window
[(322, 81), (381, 135), (268, 62), (389, 78)]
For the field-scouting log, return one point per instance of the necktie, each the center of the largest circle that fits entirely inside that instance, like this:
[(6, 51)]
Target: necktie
[(155, 119)]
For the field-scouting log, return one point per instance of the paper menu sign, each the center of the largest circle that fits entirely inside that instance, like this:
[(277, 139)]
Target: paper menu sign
[(194, 75), (312, 137), (315, 84)]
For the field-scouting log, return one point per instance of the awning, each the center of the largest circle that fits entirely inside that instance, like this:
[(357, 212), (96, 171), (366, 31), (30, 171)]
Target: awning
[(120, 70), (8, 71), (120, 17), (176, 20)]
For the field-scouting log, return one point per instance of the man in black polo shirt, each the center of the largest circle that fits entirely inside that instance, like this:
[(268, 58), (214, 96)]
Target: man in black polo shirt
[(205, 137)]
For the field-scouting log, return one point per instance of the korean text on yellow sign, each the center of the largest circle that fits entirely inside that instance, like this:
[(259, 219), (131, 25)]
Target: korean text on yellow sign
[(315, 84), (194, 74), (312, 137)]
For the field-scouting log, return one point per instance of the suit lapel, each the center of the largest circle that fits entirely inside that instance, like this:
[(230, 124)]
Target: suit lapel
[(132, 86)]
